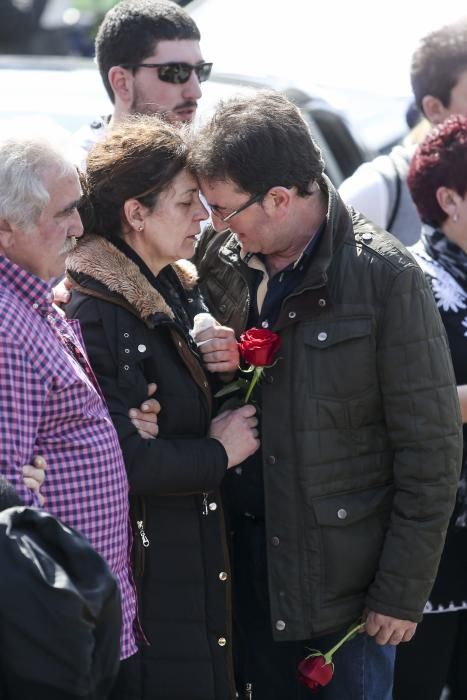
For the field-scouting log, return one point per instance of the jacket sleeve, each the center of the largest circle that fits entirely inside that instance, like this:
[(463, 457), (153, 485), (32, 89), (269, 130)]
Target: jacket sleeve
[(155, 466), (425, 431)]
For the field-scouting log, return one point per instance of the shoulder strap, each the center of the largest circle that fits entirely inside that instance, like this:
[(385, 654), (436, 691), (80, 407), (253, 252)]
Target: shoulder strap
[(397, 195)]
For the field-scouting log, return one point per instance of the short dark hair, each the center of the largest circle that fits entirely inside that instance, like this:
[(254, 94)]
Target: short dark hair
[(438, 62), (258, 142), (138, 158), (131, 30), (439, 161)]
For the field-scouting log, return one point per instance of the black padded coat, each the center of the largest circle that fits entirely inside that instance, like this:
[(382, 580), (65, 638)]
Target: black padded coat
[(134, 337)]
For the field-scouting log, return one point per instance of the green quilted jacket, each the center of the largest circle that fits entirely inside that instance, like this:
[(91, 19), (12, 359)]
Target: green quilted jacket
[(361, 428)]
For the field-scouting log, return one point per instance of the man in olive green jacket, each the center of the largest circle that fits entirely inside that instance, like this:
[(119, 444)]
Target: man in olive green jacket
[(345, 513)]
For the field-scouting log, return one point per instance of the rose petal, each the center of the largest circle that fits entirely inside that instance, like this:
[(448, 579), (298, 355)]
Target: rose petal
[(315, 669)]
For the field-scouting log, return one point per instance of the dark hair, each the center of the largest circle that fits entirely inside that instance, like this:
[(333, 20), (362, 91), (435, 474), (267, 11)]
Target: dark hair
[(257, 142), (130, 31), (8, 495), (438, 62), (138, 159), (439, 161)]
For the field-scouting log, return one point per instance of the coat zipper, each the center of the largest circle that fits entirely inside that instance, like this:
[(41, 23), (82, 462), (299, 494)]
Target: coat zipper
[(142, 533), (205, 503)]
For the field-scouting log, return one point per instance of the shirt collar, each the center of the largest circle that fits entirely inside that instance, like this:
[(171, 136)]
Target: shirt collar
[(25, 285)]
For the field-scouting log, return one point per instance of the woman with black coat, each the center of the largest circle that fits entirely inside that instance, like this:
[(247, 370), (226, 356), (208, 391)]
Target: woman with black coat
[(136, 304), (437, 181)]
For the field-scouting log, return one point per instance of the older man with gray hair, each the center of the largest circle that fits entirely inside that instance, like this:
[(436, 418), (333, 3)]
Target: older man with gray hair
[(50, 403)]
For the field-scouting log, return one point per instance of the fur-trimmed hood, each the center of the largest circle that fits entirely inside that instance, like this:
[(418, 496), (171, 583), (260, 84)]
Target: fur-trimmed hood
[(96, 257)]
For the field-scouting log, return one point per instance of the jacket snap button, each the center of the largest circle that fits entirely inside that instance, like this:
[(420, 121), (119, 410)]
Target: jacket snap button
[(223, 576), (222, 641), (322, 336), (292, 314), (222, 308), (367, 237), (126, 335), (271, 459), (265, 324), (127, 351), (141, 348), (280, 625), (126, 367), (342, 514), (212, 506), (321, 302), (275, 541)]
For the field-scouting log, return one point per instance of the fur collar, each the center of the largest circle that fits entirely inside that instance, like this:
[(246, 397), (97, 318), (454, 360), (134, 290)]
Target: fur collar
[(97, 258)]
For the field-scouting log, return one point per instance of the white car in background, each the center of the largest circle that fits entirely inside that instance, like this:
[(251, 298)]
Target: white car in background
[(58, 95), (52, 95)]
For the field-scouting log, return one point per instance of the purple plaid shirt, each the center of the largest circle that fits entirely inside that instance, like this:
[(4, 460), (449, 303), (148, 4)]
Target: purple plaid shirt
[(49, 406)]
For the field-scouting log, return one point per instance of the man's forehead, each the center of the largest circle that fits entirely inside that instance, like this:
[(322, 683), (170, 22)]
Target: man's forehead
[(224, 188), (174, 50)]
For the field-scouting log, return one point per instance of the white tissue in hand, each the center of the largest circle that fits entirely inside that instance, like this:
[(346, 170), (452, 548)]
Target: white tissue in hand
[(202, 322)]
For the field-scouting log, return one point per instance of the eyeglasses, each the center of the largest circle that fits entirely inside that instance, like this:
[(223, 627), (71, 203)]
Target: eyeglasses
[(176, 73), (255, 198)]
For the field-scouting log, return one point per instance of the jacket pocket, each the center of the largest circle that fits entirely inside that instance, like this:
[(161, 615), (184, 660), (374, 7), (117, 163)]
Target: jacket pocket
[(340, 358), (352, 527)]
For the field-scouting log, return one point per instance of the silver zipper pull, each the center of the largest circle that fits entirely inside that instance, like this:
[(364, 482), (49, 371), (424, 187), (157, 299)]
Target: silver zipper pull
[(142, 533), (249, 691), (205, 504)]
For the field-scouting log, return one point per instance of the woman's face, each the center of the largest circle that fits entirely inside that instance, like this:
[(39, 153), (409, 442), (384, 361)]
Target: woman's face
[(170, 229)]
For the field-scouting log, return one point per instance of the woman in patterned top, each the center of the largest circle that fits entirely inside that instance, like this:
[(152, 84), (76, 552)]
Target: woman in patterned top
[(438, 183)]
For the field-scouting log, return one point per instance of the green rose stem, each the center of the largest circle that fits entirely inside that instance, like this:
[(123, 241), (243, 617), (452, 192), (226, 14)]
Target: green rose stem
[(257, 372), (329, 654)]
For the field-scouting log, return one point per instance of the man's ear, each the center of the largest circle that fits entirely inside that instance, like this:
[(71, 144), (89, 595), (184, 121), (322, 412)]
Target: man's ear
[(121, 82), (277, 201), (434, 109), (6, 235)]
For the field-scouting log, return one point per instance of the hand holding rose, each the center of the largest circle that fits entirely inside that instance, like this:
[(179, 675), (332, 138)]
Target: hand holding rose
[(217, 344)]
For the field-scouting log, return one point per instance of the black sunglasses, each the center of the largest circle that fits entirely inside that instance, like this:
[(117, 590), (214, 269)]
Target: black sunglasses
[(176, 73)]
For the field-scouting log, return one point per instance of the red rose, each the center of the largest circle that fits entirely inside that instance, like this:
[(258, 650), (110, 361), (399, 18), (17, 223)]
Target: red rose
[(258, 346), (315, 671)]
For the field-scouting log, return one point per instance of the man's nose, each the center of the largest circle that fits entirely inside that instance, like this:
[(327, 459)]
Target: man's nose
[(76, 228), (192, 88)]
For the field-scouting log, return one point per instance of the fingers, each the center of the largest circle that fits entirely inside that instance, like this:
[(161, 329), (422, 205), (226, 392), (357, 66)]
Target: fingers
[(221, 416), (214, 332), (145, 418), (247, 410), (150, 406), (40, 462), (216, 348), (33, 477), (389, 630), (220, 354), (152, 386), (409, 634), (221, 367)]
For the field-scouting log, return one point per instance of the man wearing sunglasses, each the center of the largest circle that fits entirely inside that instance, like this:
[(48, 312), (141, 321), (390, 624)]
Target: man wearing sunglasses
[(150, 62)]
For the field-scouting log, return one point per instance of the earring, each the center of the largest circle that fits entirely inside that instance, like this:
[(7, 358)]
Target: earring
[(455, 217), (141, 228)]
